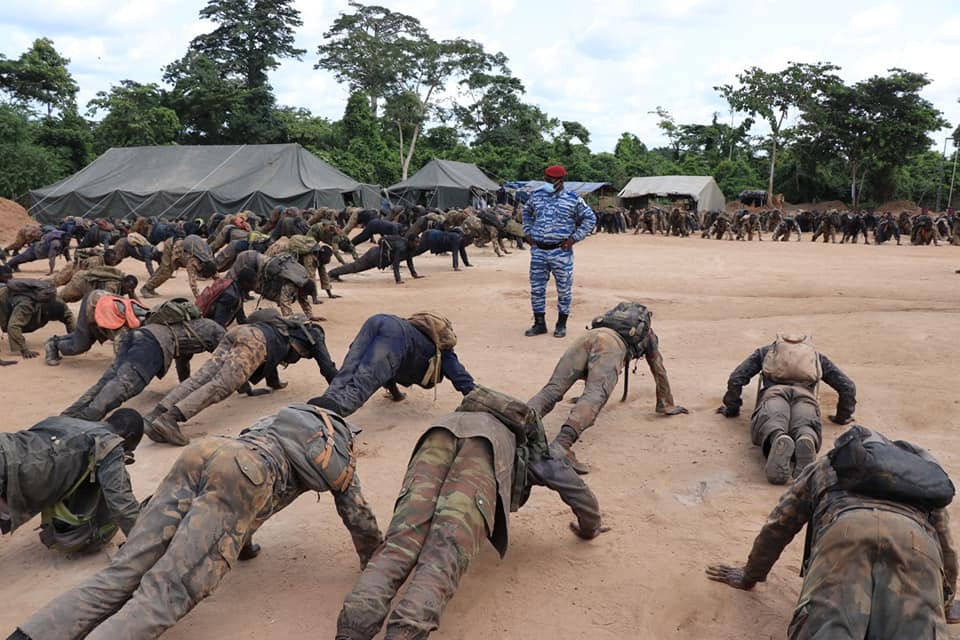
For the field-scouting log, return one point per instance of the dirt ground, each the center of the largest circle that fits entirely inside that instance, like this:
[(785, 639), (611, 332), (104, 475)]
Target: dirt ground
[(678, 492)]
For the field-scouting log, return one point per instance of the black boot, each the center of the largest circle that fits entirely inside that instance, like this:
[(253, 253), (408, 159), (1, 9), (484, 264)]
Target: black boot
[(539, 326), (51, 353), (561, 329)]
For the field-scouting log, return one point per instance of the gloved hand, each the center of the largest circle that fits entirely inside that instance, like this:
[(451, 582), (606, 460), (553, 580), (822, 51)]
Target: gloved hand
[(838, 420), (728, 412)]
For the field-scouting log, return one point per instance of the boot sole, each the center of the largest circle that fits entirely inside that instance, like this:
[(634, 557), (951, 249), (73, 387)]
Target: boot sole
[(806, 454), (778, 462)]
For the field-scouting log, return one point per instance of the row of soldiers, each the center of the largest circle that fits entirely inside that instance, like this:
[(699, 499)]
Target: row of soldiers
[(224, 489), (747, 223)]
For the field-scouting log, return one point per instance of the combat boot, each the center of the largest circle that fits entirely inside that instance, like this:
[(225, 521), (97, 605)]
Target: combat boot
[(539, 326), (166, 429), (51, 353), (562, 447), (806, 452), (779, 459), (561, 329)]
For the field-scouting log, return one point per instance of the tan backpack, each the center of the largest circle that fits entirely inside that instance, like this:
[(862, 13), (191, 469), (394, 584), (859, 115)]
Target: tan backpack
[(792, 360), (440, 331)]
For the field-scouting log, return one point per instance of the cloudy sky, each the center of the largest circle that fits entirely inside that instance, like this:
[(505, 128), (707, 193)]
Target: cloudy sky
[(604, 64)]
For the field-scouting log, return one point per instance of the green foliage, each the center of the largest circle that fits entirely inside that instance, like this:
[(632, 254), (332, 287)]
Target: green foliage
[(136, 115), (39, 75), (26, 164), (251, 37)]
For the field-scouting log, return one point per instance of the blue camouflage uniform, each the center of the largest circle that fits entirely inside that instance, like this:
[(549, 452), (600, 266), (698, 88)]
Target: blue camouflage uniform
[(549, 219)]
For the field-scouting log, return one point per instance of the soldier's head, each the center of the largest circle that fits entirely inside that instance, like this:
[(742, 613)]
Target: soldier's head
[(324, 253), (247, 279), (128, 286), (6, 273), (128, 424), (208, 269), (555, 175)]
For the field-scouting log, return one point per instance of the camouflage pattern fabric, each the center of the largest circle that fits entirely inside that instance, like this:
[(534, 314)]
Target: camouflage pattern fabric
[(598, 357), (173, 258), (786, 409), (289, 294), (885, 569), (242, 350), (25, 235), (184, 543), (82, 283), (441, 517)]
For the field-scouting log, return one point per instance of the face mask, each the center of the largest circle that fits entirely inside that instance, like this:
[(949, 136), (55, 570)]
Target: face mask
[(549, 187)]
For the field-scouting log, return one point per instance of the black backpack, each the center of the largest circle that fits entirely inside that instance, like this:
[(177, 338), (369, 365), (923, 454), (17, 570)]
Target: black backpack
[(631, 320), (280, 269), (39, 291), (869, 464)]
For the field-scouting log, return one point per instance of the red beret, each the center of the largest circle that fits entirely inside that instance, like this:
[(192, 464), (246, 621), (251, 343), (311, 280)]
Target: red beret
[(555, 171)]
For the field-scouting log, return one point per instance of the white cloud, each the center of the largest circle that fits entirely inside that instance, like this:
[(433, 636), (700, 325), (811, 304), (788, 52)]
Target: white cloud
[(606, 65)]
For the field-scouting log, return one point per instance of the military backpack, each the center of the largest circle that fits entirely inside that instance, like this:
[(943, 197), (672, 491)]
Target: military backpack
[(173, 311), (629, 319), (39, 291), (792, 360)]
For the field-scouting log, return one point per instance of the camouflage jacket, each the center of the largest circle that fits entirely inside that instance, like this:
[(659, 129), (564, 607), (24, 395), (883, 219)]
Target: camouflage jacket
[(547, 472), (815, 500), (39, 466)]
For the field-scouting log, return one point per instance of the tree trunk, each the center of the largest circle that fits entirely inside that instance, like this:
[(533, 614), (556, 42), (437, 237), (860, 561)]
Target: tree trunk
[(853, 184), (405, 168), (863, 176), (373, 105), (773, 165)]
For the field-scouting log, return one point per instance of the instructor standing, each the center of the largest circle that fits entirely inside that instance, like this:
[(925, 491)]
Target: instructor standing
[(553, 221)]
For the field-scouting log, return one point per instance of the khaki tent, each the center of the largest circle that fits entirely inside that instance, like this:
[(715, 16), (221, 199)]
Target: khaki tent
[(443, 184), (703, 190), (198, 181)]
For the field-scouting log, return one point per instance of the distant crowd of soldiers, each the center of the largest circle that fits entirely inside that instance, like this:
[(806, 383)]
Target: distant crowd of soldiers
[(468, 470), (749, 223)]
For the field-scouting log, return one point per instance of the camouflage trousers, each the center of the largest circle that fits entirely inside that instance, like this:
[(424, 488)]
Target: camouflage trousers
[(290, 294), (172, 259), (786, 409), (543, 263), (873, 574), (437, 528), (139, 358), (183, 544), (240, 352), (598, 358)]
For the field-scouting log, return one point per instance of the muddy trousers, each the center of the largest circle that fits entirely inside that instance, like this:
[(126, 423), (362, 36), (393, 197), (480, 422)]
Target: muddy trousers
[(183, 544), (873, 574), (442, 516), (785, 409), (139, 359), (238, 355)]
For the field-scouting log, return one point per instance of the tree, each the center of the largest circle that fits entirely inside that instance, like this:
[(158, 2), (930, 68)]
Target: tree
[(39, 75), (26, 165), (772, 96), (300, 126), (361, 151), (877, 125), (369, 50), (136, 115), (251, 38)]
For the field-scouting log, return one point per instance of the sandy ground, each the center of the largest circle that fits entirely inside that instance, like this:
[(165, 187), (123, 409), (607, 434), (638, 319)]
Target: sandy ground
[(679, 492)]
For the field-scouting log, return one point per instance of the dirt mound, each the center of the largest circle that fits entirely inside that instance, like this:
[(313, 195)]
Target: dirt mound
[(896, 206), (816, 206), (12, 217)]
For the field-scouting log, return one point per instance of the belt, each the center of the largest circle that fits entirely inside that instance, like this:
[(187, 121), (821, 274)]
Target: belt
[(547, 246)]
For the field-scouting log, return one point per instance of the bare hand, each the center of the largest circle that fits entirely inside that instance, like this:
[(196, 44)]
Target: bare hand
[(253, 393), (731, 576), (27, 353), (583, 535), (417, 277), (838, 420), (567, 244), (279, 385), (672, 411), (728, 412)]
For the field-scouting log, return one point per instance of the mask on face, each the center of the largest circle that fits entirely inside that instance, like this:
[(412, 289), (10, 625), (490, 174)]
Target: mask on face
[(549, 187)]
